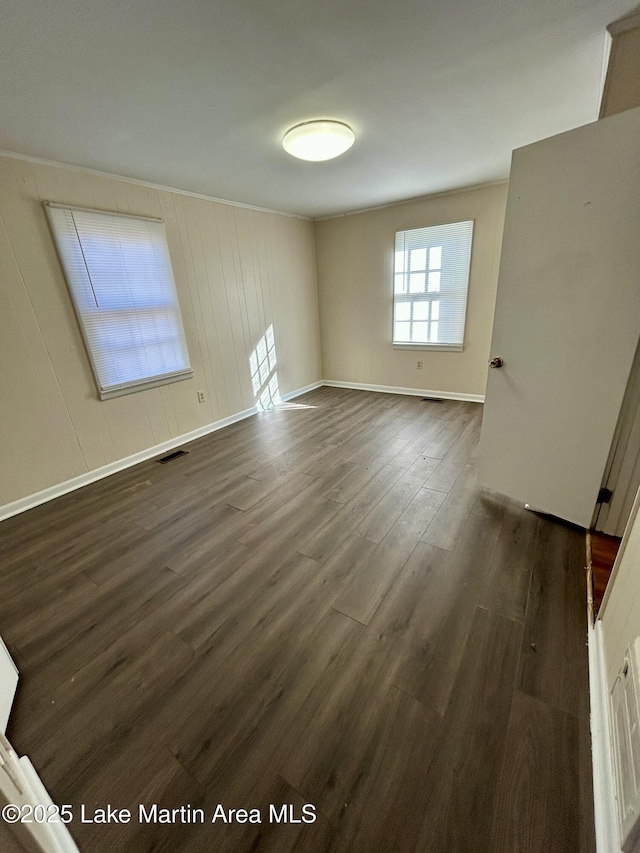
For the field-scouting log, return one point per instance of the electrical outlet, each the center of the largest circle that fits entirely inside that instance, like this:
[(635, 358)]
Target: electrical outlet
[(419, 364), (201, 396)]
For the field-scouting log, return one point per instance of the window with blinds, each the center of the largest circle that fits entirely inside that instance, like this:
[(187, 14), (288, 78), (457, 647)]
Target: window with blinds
[(431, 281), (119, 274)]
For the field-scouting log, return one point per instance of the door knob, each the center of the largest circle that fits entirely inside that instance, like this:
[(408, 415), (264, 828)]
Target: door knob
[(496, 362)]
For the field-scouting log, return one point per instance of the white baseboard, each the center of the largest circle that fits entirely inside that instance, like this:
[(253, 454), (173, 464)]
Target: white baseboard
[(291, 394), (78, 482), (28, 502), (604, 798), (413, 392)]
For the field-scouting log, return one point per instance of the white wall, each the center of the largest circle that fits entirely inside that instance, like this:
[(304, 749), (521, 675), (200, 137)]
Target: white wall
[(237, 271), (355, 262), (620, 614)]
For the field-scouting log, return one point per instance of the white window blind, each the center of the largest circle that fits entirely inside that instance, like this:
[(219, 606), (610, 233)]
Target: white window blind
[(121, 282), (431, 281)]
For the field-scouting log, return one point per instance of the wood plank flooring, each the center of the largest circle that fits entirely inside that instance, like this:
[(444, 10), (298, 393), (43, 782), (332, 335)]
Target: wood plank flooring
[(316, 605)]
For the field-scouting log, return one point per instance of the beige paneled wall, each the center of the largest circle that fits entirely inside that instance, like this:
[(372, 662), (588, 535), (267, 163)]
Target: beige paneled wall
[(355, 260), (237, 272)]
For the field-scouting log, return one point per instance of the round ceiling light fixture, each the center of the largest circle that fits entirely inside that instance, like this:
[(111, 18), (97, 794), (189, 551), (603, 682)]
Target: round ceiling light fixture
[(318, 140)]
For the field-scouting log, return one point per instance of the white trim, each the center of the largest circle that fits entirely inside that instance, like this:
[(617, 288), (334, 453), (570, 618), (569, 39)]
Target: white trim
[(604, 799), (414, 199), (54, 205), (606, 55), (297, 393), (28, 502), (413, 392), (85, 170), (429, 347), (9, 677), (141, 385), (623, 25)]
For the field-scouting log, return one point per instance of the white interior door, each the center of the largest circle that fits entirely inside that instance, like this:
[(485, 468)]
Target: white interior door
[(567, 316)]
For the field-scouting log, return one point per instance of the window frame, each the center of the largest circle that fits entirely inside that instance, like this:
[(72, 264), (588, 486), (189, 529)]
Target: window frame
[(142, 384), (427, 296)]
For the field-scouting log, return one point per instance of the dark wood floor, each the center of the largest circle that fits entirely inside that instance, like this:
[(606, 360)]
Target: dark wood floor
[(316, 605)]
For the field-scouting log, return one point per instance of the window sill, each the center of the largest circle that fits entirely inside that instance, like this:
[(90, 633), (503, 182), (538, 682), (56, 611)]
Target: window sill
[(429, 347), (167, 379)]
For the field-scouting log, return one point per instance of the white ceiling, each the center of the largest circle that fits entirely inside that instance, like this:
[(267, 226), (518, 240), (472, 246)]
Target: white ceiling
[(196, 94)]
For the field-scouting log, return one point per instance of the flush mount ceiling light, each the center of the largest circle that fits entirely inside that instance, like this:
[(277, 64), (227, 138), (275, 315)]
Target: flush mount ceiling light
[(318, 140)]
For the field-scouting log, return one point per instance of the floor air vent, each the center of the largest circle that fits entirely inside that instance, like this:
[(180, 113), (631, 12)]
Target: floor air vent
[(432, 400), (172, 456)]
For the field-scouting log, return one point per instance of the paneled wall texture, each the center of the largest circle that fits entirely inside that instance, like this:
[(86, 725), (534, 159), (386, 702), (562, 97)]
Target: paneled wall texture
[(238, 271), (355, 270)]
